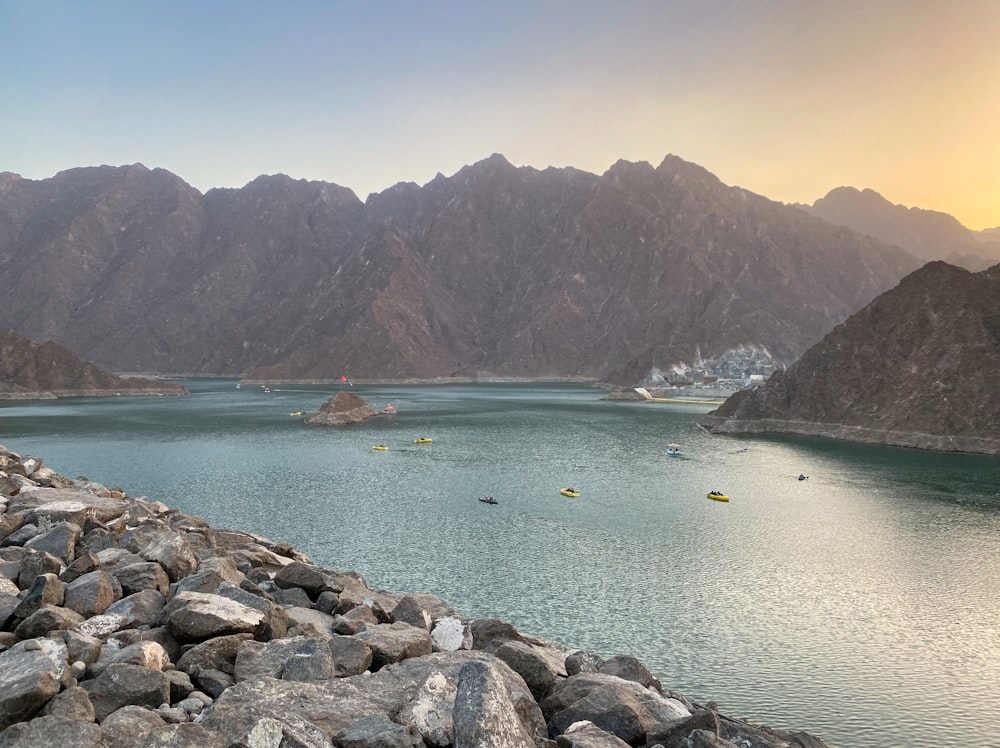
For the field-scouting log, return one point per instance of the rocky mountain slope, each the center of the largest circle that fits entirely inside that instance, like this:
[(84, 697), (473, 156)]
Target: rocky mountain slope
[(30, 370), (927, 234), (495, 270), (918, 367)]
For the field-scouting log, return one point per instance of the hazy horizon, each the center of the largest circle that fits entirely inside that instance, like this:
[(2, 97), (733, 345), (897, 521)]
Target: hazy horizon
[(786, 99)]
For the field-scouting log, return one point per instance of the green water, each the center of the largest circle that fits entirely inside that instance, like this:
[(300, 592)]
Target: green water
[(862, 605)]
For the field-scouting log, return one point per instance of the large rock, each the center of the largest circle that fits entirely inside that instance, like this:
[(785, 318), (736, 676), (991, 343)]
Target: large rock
[(394, 642), (67, 504), (621, 707), (485, 715), (31, 673), (335, 704), (194, 616), (46, 732), (295, 658), (342, 409), (90, 594), (142, 576), (127, 727), (122, 684)]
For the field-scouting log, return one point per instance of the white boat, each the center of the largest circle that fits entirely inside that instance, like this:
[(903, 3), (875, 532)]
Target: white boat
[(674, 450)]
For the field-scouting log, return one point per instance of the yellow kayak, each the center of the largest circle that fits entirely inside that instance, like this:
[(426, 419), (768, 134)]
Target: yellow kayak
[(296, 413), (422, 440), (717, 496), (569, 492), (380, 447)]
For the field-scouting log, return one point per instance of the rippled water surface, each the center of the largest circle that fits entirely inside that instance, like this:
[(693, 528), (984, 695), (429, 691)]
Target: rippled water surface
[(862, 605)]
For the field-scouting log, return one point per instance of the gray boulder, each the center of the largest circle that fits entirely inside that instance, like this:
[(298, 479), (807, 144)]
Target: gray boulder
[(394, 642), (530, 664), (309, 622), (185, 735), (172, 552), (127, 727), (194, 616), (377, 731), (275, 617), (122, 684), (146, 575), (335, 704), (46, 619), (31, 673), (73, 703), (621, 707), (60, 541), (351, 656), (46, 589), (484, 714), (297, 658), (84, 563), (90, 594), (586, 734), (45, 732), (143, 608), (674, 733), (34, 563), (218, 653), (58, 504)]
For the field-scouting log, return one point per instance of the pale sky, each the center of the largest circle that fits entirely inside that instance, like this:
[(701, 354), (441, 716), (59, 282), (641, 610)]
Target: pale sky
[(787, 98)]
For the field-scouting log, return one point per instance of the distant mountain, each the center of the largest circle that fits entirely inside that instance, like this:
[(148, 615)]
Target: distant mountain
[(927, 234), (30, 370), (494, 271), (918, 367)]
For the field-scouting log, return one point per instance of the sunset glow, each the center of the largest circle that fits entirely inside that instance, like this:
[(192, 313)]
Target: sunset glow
[(787, 99)]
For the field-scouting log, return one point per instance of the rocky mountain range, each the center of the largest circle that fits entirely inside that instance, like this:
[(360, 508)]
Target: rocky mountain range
[(918, 367), (927, 234), (496, 271), (37, 371)]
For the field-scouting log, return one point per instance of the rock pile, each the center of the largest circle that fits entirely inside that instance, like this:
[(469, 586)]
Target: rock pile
[(342, 409), (124, 623)]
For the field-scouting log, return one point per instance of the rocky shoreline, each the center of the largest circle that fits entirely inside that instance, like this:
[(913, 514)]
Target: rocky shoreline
[(124, 623), (867, 435)]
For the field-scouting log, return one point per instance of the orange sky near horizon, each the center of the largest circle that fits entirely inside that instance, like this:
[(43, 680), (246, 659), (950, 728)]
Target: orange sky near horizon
[(786, 98)]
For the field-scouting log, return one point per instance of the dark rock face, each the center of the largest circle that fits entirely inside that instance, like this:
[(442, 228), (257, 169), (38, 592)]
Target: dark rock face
[(342, 409), (918, 367), (30, 370), (217, 668), (927, 234), (496, 270)]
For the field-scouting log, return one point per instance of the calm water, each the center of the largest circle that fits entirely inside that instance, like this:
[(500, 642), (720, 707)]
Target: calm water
[(860, 605)]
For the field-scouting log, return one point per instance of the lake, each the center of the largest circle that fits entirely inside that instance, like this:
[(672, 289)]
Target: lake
[(861, 605)]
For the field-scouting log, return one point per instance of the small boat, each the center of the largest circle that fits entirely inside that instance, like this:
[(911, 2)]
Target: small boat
[(488, 500), (380, 447), (388, 409), (422, 440), (571, 492), (715, 495), (296, 413), (674, 450)]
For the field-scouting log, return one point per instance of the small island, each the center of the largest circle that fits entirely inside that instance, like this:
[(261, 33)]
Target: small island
[(342, 409)]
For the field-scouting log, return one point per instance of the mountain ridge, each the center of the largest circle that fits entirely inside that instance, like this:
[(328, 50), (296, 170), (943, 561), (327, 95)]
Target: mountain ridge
[(497, 270)]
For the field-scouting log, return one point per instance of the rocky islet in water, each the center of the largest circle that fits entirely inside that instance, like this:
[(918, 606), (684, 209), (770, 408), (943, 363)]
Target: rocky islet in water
[(126, 623)]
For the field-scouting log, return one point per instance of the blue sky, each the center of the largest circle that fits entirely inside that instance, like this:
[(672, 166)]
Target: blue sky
[(788, 99)]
